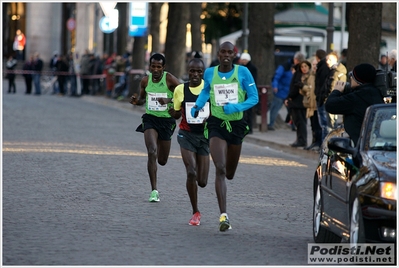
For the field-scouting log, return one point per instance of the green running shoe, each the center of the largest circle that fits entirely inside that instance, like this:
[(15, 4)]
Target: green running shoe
[(154, 196), (224, 223)]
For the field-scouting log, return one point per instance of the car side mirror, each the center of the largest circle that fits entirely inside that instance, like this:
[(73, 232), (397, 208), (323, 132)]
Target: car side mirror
[(344, 145)]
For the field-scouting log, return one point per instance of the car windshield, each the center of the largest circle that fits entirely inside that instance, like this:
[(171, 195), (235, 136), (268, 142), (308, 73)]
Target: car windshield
[(383, 131)]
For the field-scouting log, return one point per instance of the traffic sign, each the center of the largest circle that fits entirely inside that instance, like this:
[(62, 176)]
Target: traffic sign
[(106, 26), (138, 19), (71, 24)]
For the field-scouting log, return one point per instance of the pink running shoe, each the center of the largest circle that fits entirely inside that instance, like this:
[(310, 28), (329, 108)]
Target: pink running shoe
[(195, 219)]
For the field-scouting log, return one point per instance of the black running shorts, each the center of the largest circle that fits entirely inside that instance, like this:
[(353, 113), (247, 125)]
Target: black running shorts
[(218, 128), (163, 125)]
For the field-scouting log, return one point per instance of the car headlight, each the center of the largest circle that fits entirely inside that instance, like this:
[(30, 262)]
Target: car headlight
[(388, 190)]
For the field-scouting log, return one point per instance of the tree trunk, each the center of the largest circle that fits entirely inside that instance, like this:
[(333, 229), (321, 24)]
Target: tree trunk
[(364, 33), (261, 40), (122, 28), (138, 63), (155, 21), (195, 21), (175, 45)]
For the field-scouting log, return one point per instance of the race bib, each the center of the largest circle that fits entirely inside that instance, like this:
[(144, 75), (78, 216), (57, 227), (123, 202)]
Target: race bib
[(202, 115), (226, 93), (153, 103)]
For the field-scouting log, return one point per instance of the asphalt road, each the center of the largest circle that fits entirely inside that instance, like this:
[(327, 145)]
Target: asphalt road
[(75, 192)]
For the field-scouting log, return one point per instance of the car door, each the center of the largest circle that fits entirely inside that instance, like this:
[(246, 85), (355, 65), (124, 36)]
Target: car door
[(338, 169)]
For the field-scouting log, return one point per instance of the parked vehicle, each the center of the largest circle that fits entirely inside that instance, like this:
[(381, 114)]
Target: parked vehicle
[(355, 186)]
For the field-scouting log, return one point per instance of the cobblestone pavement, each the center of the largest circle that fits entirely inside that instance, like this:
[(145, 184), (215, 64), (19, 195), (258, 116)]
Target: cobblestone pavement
[(75, 192)]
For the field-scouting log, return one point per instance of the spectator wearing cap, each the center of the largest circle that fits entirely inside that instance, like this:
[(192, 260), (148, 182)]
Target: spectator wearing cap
[(352, 103), (245, 60), (343, 56), (383, 64)]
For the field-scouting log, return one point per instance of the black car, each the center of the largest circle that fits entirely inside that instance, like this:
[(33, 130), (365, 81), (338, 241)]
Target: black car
[(355, 186)]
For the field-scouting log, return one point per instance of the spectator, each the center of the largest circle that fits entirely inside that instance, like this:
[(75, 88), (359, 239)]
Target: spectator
[(28, 68), (62, 69), (392, 60), (110, 69), (383, 64), (72, 75), (343, 56), (337, 72), (19, 44), (37, 67), (215, 62), (126, 57), (120, 66), (85, 72), (309, 101), (104, 59), (281, 86), (237, 58), (10, 65), (245, 60), (352, 103), (294, 102), (53, 67), (94, 70)]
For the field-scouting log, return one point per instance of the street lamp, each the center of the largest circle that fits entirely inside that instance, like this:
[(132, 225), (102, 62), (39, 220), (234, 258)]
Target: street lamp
[(330, 28), (245, 28)]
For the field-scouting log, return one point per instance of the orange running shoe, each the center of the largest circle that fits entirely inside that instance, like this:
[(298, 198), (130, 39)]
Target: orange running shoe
[(195, 219)]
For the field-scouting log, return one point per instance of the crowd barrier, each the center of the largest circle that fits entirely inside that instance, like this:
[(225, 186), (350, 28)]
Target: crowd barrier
[(91, 76)]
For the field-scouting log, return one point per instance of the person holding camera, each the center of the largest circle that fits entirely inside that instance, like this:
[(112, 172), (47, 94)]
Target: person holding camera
[(352, 100)]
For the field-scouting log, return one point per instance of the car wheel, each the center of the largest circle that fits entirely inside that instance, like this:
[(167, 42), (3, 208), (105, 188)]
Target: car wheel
[(320, 233), (356, 228)]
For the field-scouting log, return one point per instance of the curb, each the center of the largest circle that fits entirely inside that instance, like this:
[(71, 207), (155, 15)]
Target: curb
[(283, 148)]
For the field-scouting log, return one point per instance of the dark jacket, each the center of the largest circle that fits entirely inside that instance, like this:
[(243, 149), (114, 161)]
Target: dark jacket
[(61, 66), (38, 65), (352, 105), (337, 73), (253, 70), (322, 73), (28, 66), (295, 99)]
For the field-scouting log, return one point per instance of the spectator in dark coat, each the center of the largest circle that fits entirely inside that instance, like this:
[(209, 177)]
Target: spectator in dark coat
[(354, 102), (383, 63), (245, 59), (322, 72), (294, 102), (28, 67), (337, 72), (62, 67)]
